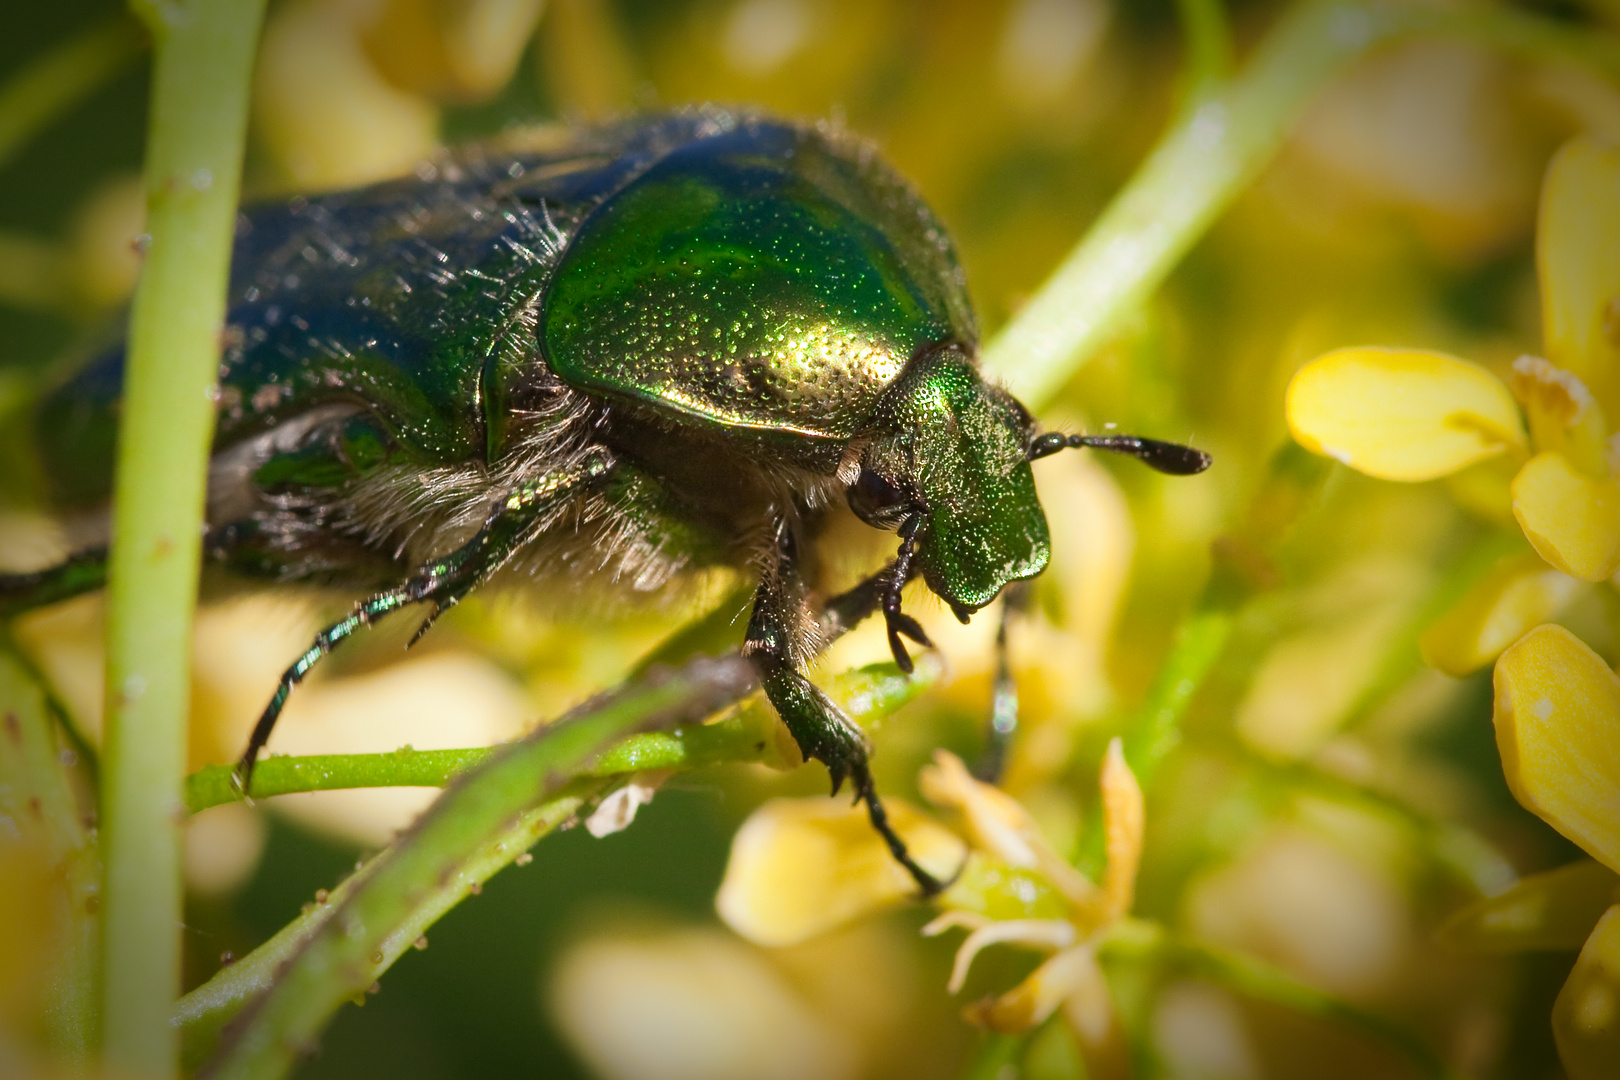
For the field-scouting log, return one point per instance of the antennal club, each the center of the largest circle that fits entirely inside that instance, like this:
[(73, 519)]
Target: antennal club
[(1166, 457)]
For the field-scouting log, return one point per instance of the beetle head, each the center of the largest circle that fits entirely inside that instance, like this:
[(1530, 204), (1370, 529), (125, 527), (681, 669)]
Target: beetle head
[(952, 450)]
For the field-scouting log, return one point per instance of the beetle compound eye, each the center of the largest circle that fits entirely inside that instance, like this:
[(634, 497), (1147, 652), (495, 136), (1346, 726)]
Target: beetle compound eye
[(878, 491), (877, 500)]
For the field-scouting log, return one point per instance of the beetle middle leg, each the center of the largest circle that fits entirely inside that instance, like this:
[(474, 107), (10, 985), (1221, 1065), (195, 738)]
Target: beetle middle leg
[(515, 520), (816, 723), (82, 572)]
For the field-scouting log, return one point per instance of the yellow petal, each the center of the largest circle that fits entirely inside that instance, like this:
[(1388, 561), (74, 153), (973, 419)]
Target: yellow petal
[(1586, 1016), (638, 1000), (800, 867), (461, 50), (1047, 935), (1564, 416), (1558, 731), (1553, 910), (1579, 262), (1401, 414), (1123, 823), (995, 820), (1517, 595), (1000, 825), (1572, 519), (1037, 997), (326, 116)]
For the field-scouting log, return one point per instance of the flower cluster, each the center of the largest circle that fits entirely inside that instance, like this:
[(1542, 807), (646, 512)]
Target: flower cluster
[(1402, 414), (1010, 888)]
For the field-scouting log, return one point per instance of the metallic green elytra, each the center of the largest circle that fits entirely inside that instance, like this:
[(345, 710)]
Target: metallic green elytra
[(780, 292), (611, 355)]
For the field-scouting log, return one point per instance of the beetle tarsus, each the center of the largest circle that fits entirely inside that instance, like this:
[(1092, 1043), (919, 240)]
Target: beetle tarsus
[(893, 580), (427, 623), (866, 791)]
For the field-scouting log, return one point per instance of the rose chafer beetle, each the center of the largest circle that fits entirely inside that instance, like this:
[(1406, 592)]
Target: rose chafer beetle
[(637, 351)]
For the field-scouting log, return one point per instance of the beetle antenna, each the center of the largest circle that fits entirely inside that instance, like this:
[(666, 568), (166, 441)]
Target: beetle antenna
[(894, 579), (1166, 457)]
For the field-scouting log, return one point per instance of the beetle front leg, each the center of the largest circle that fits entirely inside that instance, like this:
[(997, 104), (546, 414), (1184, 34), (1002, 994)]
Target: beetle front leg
[(515, 521), (881, 592), (816, 723)]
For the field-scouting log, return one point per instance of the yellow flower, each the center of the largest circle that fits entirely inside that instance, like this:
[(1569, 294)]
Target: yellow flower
[(1557, 718), (1411, 415), (801, 867), (1070, 978)]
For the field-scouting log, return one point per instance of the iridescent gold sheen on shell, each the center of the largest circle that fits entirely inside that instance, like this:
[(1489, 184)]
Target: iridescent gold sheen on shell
[(756, 281)]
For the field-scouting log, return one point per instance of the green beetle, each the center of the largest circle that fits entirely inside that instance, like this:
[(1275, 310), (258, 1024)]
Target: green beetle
[(623, 354)]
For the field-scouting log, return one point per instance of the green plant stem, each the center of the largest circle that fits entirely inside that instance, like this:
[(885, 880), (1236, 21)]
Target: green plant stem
[(1209, 47), (750, 734), (37, 801), (1157, 731), (1468, 858), (339, 960), (204, 53), (995, 1056), (1402, 657), (203, 1013), (747, 736), (1141, 941), (54, 82), (1213, 152)]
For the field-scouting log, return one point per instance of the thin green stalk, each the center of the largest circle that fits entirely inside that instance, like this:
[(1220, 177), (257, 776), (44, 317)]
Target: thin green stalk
[(339, 960), (1157, 732), (40, 809), (202, 1014), (1470, 859), (54, 82), (1243, 568), (1402, 658), (996, 1057), (1209, 47), (1141, 941), (749, 734), (1212, 153), (204, 53), (745, 737)]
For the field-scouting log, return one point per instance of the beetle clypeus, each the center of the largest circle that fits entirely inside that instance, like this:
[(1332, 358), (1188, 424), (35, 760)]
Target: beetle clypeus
[(639, 350)]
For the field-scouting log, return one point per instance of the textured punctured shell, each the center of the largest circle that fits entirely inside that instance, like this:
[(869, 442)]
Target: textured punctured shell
[(757, 279)]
